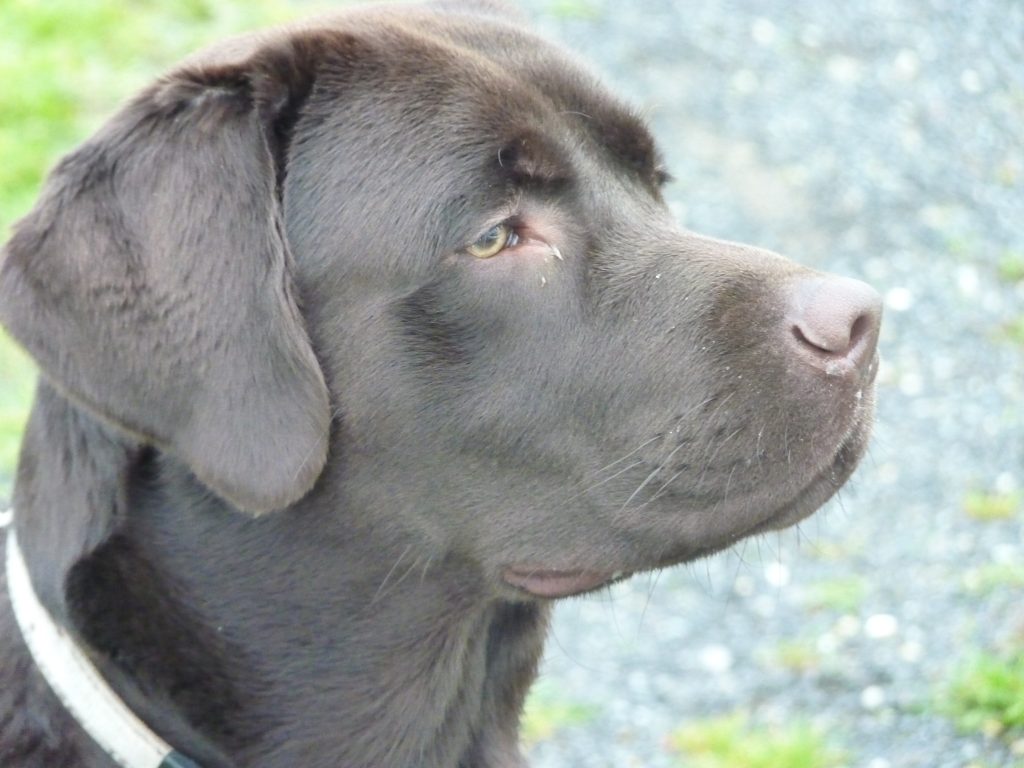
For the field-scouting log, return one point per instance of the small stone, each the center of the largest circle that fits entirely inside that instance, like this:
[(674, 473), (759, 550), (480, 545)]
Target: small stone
[(968, 280), (911, 384), (844, 69), (889, 473), (881, 626), (899, 299), (763, 32), (827, 644), (744, 586), (847, 626), (811, 36), (1005, 483), (764, 606), (911, 651), (716, 659), (745, 81), (777, 574), (907, 64), (970, 81), (872, 697)]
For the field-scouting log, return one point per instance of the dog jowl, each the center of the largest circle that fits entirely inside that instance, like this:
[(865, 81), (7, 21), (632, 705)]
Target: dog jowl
[(363, 340)]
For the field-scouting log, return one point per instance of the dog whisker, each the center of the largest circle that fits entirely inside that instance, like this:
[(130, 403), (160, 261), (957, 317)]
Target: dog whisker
[(740, 563), (426, 566), (664, 463), (709, 460), (383, 584), (601, 482), (728, 482), (596, 473), (660, 492), (652, 584), (606, 467)]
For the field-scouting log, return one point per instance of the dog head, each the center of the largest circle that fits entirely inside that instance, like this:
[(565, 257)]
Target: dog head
[(434, 232)]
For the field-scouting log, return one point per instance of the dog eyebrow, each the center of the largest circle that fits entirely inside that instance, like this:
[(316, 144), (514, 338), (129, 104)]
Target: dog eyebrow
[(530, 157), (625, 136)]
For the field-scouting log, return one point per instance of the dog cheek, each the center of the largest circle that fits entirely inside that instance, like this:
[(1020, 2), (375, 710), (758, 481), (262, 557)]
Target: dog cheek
[(436, 338)]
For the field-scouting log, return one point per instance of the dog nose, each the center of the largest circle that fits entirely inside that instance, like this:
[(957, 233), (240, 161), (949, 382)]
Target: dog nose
[(835, 321)]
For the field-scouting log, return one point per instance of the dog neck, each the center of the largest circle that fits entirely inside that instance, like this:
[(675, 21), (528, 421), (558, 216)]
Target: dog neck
[(77, 683), (294, 640), (305, 637)]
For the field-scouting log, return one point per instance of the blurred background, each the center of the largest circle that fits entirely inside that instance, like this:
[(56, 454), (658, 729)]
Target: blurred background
[(882, 139)]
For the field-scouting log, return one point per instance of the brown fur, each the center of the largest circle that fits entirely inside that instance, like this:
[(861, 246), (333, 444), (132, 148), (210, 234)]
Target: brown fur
[(290, 435)]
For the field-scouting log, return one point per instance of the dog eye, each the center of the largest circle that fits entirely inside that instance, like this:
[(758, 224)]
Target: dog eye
[(494, 241)]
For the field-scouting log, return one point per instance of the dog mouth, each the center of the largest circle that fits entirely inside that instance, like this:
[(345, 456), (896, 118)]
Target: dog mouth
[(551, 583), (748, 517), (811, 497), (539, 581)]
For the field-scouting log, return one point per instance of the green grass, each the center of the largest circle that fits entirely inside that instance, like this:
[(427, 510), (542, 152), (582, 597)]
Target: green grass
[(66, 64), (986, 693), (986, 506), (796, 656), (992, 577), (575, 9), (1013, 331), (64, 67), (1011, 267), (547, 712), (961, 248), (843, 595), (733, 742)]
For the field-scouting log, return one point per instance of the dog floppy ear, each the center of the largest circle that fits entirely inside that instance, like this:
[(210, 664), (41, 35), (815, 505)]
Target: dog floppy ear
[(152, 281)]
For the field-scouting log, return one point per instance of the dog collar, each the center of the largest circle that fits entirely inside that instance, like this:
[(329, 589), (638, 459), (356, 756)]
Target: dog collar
[(78, 684)]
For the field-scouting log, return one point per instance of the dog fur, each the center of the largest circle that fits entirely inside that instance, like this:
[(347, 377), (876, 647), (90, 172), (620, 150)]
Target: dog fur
[(301, 467)]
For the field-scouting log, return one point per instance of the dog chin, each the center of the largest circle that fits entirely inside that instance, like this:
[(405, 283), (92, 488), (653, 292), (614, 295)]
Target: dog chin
[(823, 485), (539, 581)]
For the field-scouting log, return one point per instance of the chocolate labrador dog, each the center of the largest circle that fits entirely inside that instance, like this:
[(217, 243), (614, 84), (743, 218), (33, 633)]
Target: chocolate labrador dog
[(362, 341)]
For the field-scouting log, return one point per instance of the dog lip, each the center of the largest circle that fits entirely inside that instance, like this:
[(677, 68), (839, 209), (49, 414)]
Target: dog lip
[(823, 485), (551, 583)]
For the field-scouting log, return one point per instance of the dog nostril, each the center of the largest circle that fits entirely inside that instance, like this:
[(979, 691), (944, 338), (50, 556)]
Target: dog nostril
[(833, 338), (835, 317)]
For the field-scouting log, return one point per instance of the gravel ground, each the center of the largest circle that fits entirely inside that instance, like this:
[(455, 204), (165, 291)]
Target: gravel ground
[(882, 139)]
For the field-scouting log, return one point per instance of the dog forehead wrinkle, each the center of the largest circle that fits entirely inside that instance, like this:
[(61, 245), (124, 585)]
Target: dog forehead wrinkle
[(580, 99), (532, 155), (474, 91), (626, 135), (442, 204), (505, 60)]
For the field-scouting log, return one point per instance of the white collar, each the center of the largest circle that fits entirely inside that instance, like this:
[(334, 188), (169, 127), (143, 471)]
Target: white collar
[(78, 684)]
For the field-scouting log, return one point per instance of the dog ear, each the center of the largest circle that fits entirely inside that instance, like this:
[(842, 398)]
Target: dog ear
[(152, 281)]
